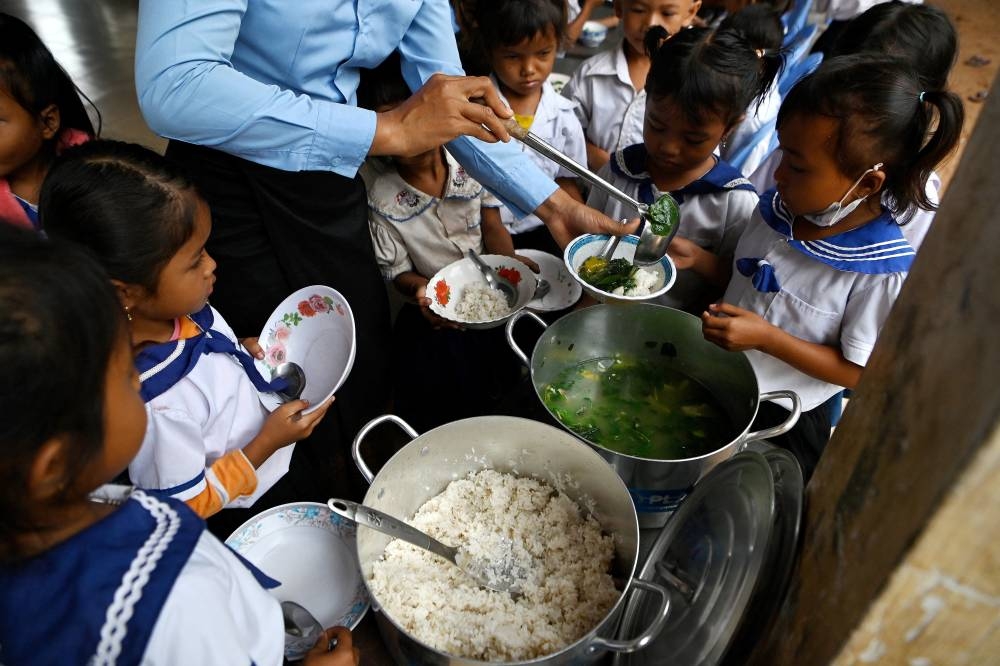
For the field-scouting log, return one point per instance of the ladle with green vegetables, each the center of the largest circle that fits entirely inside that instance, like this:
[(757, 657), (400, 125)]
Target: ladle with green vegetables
[(661, 218)]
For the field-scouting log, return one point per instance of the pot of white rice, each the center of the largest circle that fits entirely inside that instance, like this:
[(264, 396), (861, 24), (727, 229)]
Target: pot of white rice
[(519, 453)]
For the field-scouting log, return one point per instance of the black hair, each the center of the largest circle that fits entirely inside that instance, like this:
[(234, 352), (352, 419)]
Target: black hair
[(760, 24), (706, 71), (130, 206), (512, 21), (922, 35), (30, 74), (884, 115), (383, 85), (60, 322)]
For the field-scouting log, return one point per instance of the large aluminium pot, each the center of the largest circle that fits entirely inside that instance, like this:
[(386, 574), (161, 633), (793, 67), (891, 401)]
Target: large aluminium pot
[(666, 338), (424, 466)]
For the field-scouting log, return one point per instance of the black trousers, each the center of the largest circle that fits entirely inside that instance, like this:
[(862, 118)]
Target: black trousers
[(806, 440), (275, 232)]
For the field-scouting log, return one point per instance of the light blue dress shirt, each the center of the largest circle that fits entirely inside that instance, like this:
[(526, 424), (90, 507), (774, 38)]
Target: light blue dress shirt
[(275, 82)]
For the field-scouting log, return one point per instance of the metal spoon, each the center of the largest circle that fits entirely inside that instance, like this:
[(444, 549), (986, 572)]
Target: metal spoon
[(296, 378), (498, 576), (542, 287), (302, 630), (497, 282)]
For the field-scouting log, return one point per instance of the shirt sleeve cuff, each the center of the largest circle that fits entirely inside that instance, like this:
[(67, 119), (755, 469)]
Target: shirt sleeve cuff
[(343, 138), (506, 172)]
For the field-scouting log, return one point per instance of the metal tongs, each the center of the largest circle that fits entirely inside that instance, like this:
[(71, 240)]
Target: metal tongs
[(651, 247)]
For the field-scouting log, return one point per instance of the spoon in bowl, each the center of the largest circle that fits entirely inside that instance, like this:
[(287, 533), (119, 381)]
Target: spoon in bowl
[(495, 281), (294, 376), (501, 576), (302, 630)]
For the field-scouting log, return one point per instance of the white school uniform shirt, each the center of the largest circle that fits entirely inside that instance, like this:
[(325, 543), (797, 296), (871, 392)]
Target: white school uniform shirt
[(913, 230), (611, 110), (414, 231), (837, 291), (147, 584), (211, 411), (556, 123), (756, 117), (714, 210)]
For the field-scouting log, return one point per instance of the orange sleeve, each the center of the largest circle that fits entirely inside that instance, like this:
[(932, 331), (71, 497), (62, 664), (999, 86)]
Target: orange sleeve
[(229, 477)]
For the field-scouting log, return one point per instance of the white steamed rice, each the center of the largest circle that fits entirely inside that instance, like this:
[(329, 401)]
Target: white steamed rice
[(526, 524), (480, 303), (646, 282)]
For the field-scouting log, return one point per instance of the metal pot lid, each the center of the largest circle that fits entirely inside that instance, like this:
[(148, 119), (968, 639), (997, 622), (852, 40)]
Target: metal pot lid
[(789, 488), (709, 555)]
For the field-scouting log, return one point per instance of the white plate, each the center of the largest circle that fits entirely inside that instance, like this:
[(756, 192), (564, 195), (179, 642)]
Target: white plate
[(313, 327), (564, 290), (313, 553), (457, 275)]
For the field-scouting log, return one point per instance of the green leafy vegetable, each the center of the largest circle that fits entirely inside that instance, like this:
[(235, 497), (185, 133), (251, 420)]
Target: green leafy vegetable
[(664, 215), (609, 275)]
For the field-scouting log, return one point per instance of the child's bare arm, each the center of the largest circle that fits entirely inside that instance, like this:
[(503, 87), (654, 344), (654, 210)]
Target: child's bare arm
[(284, 425), (571, 188), (596, 156), (687, 255), (496, 238), (737, 329), (575, 27)]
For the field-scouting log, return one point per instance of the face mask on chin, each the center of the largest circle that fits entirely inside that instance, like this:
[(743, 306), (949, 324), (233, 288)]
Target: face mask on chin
[(837, 211)]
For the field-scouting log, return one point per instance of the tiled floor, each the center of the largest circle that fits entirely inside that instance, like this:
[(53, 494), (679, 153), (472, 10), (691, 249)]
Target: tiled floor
[(94, 40)]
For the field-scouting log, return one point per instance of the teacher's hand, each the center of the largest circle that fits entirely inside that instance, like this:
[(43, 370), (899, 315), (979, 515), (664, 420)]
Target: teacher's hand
[(566, 218), (439, 112)]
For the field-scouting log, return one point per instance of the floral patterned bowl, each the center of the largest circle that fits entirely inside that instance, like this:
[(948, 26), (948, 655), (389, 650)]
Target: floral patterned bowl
[(583, 247), (313, 327), (446, 288), (313, 553)]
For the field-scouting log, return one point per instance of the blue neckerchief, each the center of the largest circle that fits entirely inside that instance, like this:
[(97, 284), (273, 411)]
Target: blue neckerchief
[(29, 210), (876, 248), (163, 365), (96, 597), (760, 272), (630, 162)]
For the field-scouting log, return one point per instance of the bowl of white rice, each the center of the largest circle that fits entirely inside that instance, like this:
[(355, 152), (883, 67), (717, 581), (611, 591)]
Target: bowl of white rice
[(459, 292), (650, 281), (503, 488)]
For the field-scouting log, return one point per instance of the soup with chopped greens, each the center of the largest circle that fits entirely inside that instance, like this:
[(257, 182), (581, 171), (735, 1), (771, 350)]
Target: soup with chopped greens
[(638, 408)]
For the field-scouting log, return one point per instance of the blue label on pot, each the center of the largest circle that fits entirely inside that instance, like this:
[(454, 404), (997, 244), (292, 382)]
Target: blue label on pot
[(657, 501)]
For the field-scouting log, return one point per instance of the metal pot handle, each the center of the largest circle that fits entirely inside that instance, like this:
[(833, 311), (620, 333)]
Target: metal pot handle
[(781, 428), (647, 636), (510, 333), (365, 429)]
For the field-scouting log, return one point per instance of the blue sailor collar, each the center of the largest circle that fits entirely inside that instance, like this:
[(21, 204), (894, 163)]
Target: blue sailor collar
[(96, 597), (874, 249), (162, 366), (630, 162), (396, 200)]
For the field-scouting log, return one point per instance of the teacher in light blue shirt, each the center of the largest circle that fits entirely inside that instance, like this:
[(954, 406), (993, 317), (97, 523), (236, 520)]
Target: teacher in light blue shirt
[(258, 99)]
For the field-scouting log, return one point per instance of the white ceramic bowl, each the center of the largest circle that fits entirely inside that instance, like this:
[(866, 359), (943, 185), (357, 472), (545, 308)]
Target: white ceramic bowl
[(564, 291), (583, 247), (446, 287), (313, 553), (593, 34), (313, 327)]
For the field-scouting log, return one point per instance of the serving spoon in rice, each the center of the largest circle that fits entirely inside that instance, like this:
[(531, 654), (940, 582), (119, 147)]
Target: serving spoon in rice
[(500, 576)]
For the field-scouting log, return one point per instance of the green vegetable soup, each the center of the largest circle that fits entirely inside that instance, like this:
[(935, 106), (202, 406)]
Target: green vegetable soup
[(638, 408)]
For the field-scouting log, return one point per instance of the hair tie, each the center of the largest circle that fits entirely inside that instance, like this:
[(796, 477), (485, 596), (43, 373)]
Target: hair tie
[(920, 97), (760, 52)]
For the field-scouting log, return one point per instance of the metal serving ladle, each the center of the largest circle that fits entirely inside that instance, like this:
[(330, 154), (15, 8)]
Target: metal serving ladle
[(497, 576), (651, 247)]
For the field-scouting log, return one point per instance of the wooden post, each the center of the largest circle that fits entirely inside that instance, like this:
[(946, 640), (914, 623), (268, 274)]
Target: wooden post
[(929, 398)]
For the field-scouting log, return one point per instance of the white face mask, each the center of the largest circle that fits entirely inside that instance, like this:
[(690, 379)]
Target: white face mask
[(837, 211)]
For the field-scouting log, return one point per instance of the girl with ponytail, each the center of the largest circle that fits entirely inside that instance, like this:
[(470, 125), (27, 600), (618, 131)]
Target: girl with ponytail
[(820, 264), (700, 84)]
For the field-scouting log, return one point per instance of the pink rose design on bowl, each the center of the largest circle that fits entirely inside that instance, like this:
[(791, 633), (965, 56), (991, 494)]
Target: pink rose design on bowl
[(340, 309), (276, 354), (281, 333), (318, 304)]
